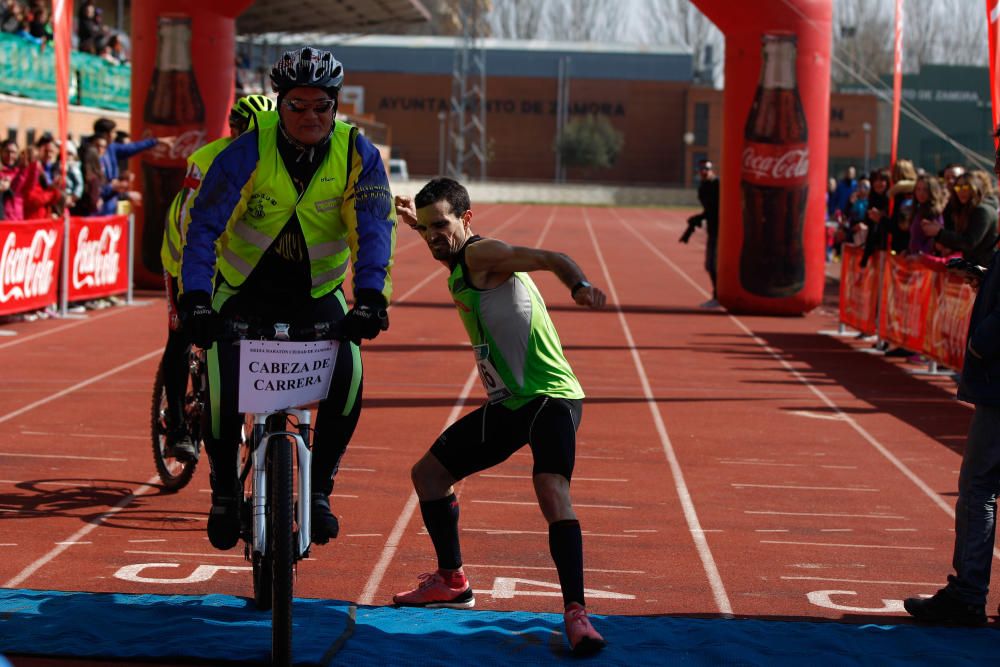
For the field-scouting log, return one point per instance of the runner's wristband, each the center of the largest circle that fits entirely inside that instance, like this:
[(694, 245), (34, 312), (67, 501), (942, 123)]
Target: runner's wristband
[(579, 285)]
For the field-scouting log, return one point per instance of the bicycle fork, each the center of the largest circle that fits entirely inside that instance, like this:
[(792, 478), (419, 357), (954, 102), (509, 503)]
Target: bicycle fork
[(304, 459)]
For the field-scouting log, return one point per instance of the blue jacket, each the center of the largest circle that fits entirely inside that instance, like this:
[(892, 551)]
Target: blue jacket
[(109, 161), (980, 383)]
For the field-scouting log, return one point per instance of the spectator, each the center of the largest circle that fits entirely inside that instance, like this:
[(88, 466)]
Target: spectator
[(929, 199), (88, 29), (19, 172), (45, 197), (831, 199), (845, 188), (96, 195), (856, 228), (121, 137), (877, 216), (38, 21), (119, 181), (974, 221), (74, 173)]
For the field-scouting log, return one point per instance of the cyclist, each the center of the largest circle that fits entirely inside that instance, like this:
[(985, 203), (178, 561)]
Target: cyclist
[(534, 398), (290, 203), (174, 363)]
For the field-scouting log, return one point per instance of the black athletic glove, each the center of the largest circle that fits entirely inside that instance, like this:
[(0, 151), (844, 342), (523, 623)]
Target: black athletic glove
[(367, 318), (200, 322)]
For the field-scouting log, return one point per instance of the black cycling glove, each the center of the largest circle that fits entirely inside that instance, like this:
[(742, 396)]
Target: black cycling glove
[(367, 318), (200, 322)]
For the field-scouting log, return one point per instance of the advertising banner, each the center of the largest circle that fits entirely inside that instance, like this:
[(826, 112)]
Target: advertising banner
[(906, 292), (29, 264), (98, 257), (859, 290), (948, 319)]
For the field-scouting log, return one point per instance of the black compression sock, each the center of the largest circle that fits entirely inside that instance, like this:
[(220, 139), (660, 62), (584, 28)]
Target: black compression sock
[(566, 547), (441, 518)]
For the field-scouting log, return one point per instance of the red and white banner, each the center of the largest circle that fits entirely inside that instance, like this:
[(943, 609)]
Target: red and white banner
[(98, 257), (948, 319), (62, 33), (29, 264), (897, 78), (993, 33), (906, 295), (859, 289)]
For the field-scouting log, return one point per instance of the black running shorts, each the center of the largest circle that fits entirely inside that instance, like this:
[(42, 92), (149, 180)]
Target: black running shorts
[(489, 435)]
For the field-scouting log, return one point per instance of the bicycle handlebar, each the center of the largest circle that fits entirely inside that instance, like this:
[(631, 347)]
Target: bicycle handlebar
[(235, 330)]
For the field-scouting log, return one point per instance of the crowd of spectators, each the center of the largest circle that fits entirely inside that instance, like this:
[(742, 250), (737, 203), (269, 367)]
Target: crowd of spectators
[(907, 211), (32, 20), (32, 186)]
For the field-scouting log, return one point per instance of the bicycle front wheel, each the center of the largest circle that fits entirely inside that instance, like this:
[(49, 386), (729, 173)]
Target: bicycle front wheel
[(281, 546), (174, 474)]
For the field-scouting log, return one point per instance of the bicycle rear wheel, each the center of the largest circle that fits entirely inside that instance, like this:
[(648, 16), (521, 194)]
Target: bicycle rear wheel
[(174, 474), (281, 546)]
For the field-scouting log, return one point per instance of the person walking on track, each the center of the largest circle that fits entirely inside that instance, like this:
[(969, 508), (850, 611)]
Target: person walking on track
[(175, 360), (291, 203), (533, 398)]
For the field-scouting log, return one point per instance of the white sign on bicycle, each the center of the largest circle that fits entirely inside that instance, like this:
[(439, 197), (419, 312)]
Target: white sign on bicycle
[(275, 375)]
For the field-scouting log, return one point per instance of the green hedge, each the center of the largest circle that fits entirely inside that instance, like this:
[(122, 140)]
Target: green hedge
[(30, 72)]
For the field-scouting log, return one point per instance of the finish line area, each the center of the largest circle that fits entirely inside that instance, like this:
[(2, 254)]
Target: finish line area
[(750, 491)]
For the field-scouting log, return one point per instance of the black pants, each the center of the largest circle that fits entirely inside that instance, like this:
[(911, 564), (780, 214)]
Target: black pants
[(336, 417), (175, 360)]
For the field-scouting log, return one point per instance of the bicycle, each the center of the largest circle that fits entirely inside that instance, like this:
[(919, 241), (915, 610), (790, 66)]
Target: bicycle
[(274, 527), (175, 473)]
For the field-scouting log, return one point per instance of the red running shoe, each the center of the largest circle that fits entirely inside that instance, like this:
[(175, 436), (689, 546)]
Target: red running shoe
[(436, 590), (583, 638)]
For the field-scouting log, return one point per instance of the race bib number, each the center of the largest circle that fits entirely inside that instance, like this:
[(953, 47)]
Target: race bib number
[(275, 375), (496, 390)]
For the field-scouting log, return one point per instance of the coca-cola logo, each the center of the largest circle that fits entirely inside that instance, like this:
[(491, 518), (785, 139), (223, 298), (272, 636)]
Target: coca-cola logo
[(96, 262), (27, 272), (780, 163), (184, 144)]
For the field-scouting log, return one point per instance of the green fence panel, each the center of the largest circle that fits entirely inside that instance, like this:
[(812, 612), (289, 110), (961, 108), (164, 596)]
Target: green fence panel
[(29, 71)]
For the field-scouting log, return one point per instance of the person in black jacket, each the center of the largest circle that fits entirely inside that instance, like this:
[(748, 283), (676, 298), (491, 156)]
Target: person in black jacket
[(973, 230), (708, 196), (963, 600)]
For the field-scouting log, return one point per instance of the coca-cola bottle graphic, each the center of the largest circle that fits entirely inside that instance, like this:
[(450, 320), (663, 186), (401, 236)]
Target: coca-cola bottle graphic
[(774, 179), (173, 107)]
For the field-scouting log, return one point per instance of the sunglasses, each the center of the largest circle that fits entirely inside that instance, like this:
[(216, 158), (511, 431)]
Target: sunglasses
[(962, 187), (300, 106)]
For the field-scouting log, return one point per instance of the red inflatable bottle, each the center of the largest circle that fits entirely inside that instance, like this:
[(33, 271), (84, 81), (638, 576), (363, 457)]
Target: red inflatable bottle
[(774, 177)]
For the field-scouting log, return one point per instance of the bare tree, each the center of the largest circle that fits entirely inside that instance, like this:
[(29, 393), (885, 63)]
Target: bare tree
[(679, 23)]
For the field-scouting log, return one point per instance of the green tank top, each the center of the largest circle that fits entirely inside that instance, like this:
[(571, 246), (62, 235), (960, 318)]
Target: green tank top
[(517, 348)]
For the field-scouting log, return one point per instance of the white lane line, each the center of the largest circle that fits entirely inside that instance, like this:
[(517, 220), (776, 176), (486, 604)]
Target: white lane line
[(575, 479), (80, 385), (41, 334), (350, 469), (687, 504), (849, 546), (770, 530), (102, 436), (827, 514), (641, 530), (8, 544), (96, 522), (865, 581), (71, 543), (363, 535), (816, 415), (184, 554), (61, 456), (752, 462), (535, 504), (900, 530), (739, 485), (548, 568), (395, 536), (848, 419)]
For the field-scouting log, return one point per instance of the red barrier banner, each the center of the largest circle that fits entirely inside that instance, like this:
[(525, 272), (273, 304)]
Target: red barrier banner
[(859, 288), (906, 293), (948, 319), (98, 257), (29, 264), (992, 32)]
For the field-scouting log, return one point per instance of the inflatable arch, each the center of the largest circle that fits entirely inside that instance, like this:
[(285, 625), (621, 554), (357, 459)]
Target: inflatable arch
[(773, 169)]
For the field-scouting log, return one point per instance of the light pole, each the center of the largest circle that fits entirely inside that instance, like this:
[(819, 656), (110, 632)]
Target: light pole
[(867, 127), (442, 116)]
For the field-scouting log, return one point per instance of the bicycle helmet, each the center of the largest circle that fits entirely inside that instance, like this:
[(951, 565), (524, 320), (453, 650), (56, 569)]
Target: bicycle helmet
[(309, 67), (245, 108)]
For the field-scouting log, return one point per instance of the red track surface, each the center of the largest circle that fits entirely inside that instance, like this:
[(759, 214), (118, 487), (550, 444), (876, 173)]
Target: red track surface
[(726, 464)]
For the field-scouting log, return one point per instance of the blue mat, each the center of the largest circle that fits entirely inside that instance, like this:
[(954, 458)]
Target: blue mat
[(219, 628)]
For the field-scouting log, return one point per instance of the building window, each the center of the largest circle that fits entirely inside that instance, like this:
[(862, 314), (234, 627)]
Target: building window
[(701, 124)]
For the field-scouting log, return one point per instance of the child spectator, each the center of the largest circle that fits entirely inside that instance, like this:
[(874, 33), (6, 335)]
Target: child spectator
[(929, 198)]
